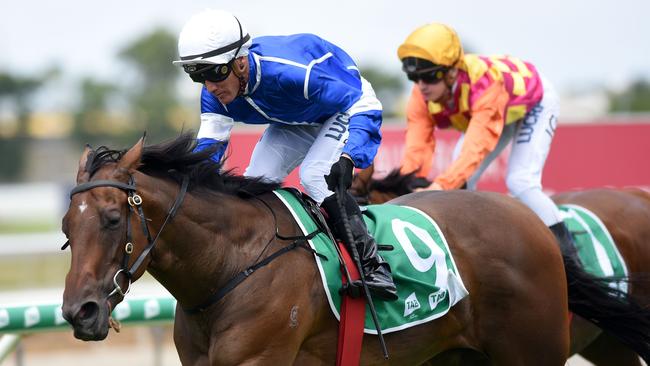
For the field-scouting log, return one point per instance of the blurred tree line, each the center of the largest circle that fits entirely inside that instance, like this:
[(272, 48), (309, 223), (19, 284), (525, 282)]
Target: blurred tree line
[(634, 98), (149, 103), (116, 113), (151, 96), (17, 91)]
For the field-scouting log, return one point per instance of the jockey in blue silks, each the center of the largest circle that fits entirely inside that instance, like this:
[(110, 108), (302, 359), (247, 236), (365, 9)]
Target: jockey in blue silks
[(322, 115)]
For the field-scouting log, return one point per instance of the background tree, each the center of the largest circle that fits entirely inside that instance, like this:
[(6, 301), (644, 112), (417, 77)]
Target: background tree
[(153, 98), (18, 91), (635, 98), (92, 118), (389, 87)]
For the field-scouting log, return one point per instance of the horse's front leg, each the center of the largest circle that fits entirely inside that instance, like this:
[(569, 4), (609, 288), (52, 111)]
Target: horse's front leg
[(260, 340), (191, 341), (271, 332)]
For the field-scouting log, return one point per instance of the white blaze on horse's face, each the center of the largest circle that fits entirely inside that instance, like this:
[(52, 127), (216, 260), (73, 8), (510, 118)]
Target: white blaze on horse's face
[(83, 206)]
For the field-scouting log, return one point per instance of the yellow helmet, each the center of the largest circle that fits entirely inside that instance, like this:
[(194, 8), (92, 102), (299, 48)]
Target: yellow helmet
[(436, 43)]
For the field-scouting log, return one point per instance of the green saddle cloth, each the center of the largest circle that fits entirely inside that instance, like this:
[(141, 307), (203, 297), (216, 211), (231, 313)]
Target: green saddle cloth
[(427, 280), (596, 248)]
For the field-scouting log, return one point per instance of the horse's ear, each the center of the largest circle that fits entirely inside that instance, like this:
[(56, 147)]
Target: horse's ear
[(83, 175), (361, 181), (366, 174), (131, 160)]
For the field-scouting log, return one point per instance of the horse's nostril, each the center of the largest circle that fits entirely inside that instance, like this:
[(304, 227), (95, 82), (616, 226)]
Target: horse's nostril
[(87, 311)]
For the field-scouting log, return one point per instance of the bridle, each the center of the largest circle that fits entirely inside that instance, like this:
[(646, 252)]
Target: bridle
[(134, 201)]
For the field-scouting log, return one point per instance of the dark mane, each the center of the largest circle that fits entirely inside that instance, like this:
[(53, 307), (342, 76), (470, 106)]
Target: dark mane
[(175, 158), (100, 157), (397, 183)]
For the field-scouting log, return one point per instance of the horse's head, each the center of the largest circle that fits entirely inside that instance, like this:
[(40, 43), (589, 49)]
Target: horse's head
[(360, 188), (101, 225), (374, 191)]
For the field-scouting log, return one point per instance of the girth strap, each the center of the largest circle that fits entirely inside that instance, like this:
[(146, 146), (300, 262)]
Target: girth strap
[(298, 241), (241, 276)]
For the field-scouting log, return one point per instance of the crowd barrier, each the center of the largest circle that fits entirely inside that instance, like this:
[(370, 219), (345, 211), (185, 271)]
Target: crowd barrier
[(16, 320)]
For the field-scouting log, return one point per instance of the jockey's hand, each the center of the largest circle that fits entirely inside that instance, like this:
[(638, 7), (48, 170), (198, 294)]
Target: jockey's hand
[(340, 174), (433, 187)]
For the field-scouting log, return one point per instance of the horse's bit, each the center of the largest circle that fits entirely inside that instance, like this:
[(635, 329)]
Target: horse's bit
[(135, 202)]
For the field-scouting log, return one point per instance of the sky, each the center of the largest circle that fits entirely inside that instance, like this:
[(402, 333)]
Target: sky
[(576, 44)]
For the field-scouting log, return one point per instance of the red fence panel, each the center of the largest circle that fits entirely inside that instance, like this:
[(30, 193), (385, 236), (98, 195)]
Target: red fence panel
[(582, 156)]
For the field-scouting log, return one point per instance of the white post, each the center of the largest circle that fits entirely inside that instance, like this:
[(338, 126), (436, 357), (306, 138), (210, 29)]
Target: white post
[(8, 343)]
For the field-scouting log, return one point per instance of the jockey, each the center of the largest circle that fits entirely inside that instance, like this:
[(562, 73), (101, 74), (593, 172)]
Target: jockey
[(322, 115), (492, 100)]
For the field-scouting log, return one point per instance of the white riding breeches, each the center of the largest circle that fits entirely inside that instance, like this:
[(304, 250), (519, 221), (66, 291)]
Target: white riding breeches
[(314, 147), (531, 141)]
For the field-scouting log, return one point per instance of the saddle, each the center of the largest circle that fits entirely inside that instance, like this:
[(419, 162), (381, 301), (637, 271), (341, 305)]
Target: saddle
[(426, 277), (319, 215), (350, 287)]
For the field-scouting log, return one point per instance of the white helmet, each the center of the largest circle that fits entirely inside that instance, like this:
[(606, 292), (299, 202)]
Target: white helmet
[(212, 37)]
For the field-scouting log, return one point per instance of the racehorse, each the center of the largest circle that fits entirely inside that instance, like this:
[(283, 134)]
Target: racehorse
[(169, 210), (625, 213)]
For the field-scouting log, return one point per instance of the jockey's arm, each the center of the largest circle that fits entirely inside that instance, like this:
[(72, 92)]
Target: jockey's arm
[(364, 138), (482, 135), (343, 93), (215, 127), (420, 137)]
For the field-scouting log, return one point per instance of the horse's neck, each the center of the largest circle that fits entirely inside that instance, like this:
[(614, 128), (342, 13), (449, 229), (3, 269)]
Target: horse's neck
[(207, 243)]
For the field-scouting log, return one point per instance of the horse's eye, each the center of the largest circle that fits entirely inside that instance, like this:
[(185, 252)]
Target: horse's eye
[(112, 219)]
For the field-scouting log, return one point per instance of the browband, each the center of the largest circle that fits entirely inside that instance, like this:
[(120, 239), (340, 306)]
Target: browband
[(101, 183)]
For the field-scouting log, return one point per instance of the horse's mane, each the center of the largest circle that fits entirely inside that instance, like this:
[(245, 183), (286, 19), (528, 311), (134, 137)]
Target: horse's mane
[(176, 158), (397, 183)]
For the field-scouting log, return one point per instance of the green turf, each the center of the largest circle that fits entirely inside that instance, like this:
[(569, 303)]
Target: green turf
[(18, 272), (29, 227), (38, 271)]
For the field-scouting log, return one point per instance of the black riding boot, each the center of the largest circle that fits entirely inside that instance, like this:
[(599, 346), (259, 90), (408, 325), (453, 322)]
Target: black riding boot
[(375, 270)]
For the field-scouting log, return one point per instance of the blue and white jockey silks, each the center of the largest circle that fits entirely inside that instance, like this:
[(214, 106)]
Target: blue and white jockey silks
[(316, 102)]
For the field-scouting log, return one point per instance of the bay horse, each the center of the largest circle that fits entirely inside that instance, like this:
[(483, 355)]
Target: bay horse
[(171, 211), (625, 213)]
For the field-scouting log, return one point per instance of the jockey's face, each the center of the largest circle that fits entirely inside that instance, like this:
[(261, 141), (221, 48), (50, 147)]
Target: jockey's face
[(227, 90), (440, 91), (432, 92)]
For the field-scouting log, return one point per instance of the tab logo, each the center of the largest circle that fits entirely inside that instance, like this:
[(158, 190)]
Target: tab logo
[(32, 316), (411, 304), (436, 297), (122, 311), (4, 318), (58, 316), (151, 309)]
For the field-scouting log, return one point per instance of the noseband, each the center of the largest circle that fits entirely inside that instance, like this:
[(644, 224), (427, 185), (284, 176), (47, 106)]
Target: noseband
[(135, 202)]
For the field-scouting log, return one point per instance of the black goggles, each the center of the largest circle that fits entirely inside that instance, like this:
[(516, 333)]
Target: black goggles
[(430, 76), (200, 73)]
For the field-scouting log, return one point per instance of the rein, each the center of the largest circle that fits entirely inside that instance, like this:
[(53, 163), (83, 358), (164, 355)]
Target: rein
[(299, 241), (135, 202)]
